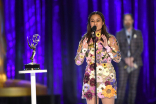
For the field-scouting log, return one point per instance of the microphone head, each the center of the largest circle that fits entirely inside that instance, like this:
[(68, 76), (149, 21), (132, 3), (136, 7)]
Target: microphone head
[(94, 28)]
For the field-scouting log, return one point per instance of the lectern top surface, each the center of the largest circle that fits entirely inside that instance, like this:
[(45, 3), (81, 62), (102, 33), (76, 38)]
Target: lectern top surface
[(33, 71)]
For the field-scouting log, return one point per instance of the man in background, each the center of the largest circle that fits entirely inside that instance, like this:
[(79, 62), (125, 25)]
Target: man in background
[(131, 47)]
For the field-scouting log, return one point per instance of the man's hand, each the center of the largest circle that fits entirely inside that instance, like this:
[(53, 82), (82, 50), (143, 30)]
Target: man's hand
[(132, 59), (129, 61)]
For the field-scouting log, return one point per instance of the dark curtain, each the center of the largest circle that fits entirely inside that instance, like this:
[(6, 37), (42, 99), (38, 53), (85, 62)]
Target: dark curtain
[(63, 24)]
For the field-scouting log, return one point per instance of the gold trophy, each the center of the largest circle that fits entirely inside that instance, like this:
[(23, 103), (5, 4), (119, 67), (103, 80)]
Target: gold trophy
[(32, 42)]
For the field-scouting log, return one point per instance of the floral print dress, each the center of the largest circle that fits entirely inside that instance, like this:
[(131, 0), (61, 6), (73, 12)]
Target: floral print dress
[(106, 75)]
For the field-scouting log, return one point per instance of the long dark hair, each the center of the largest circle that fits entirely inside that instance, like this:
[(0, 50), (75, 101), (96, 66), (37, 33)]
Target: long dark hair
[(104, 28)]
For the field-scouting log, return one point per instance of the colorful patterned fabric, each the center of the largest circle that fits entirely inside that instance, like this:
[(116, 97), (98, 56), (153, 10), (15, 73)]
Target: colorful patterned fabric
[(106, 75)]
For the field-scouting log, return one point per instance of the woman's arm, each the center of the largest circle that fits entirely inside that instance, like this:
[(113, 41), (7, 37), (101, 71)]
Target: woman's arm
[(80, 55), (113, 49)]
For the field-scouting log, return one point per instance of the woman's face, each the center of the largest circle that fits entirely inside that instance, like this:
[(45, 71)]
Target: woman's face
[(96, 20)]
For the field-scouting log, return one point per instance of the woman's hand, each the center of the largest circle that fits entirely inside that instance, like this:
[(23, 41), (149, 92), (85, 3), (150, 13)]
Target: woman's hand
[(85, 45), (105, 43)]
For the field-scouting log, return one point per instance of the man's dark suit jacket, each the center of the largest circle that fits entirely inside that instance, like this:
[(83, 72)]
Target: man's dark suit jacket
[(136, 46)]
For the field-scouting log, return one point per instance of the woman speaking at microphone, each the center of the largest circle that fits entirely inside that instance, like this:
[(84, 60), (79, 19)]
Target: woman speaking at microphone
[(107, 49)]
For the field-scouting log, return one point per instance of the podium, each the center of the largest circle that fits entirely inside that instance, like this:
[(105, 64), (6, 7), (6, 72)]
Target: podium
[(33, 82)]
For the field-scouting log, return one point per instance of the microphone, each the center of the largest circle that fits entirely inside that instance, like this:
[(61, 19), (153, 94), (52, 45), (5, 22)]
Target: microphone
[(93, 29)]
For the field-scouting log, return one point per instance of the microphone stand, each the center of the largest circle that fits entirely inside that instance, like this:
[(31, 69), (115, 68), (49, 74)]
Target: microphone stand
[(94, 38)]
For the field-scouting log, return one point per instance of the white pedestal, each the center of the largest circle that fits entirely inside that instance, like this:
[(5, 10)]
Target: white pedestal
[(33, 82)]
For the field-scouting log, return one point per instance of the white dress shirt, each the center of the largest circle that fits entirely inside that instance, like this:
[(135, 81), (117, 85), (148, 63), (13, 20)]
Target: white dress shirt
[(129, 35)]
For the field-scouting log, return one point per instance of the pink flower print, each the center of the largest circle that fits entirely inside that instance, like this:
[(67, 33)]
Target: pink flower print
[(88, 60), (99, 50), (86, 77), (78, 62), (108, 79), (108, 48), (88, 70), (98, 56), (92, 88), (92, 81), (100, 46), (91, 55), (99, 79), (92, 67), (104, 61), (98, 61), (88, 95), (109, 60), (107, 83), (100, 95), (102, 53)]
